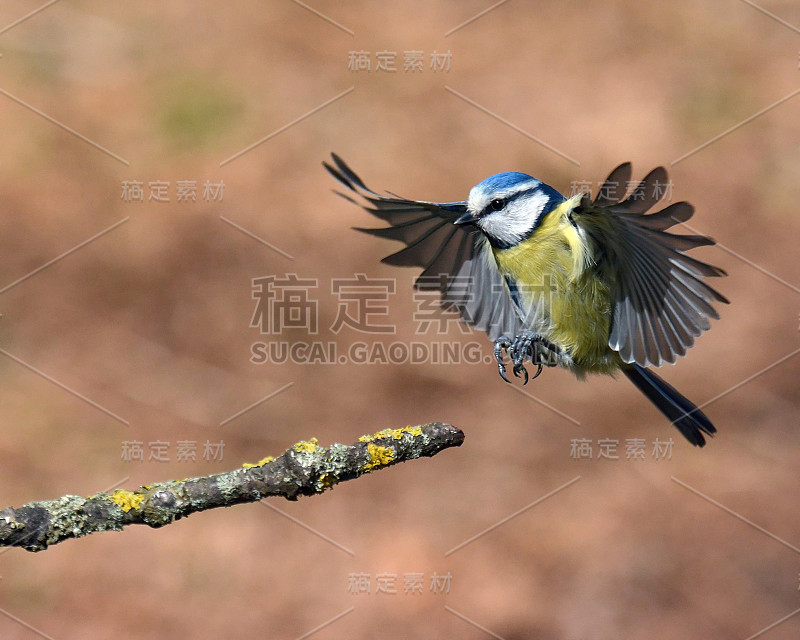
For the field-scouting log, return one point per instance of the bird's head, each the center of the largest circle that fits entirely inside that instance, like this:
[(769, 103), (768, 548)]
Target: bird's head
[(508, 207)]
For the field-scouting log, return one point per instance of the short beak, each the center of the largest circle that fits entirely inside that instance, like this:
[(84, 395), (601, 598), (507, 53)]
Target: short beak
[(464, 219)]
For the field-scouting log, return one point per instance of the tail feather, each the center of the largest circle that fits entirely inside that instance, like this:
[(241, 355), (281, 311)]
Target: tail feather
[(689, 420)]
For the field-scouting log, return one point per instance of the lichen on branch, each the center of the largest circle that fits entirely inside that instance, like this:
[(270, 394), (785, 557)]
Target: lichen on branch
[(305, 469)]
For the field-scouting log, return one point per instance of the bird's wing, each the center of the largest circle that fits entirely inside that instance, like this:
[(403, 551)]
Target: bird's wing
[(456, 259), (661, 303)]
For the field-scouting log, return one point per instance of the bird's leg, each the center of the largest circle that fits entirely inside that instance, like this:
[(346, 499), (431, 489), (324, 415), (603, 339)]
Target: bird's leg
[(502, 343), (525, 345)]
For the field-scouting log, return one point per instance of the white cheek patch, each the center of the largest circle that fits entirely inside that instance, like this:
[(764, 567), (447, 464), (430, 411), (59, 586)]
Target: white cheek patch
[(480, 196), (519, 217)]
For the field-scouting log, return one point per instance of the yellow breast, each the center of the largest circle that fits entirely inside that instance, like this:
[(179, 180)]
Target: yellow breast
[(554, 276)]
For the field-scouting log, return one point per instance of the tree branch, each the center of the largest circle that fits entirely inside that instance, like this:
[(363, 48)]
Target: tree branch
[(305, 469)]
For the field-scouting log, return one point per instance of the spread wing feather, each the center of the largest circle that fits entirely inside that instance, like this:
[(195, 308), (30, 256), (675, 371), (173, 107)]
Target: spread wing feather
[(661, 303), (455, 258)]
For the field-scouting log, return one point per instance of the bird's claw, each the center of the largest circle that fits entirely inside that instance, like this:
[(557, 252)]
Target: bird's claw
[(499, 345), (502, 369), (527, 345)]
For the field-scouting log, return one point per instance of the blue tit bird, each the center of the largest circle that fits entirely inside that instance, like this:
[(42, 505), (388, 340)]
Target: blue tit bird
[(594, 286)]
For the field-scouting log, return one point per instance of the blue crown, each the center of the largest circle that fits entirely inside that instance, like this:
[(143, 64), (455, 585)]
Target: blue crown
[(506, 180)]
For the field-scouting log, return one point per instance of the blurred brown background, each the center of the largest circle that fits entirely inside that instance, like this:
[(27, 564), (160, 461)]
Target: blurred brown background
[(151, 321)]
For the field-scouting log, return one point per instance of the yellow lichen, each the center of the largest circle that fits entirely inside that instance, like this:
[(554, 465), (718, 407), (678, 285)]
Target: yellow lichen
[(395, 434), (127, 500), (307, 446), (414, 431), (260, 463), (378, 457), (328, 479)]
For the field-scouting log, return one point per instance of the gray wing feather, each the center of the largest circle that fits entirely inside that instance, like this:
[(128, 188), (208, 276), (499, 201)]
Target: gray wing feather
[(616, 183), (454, 258), (487, 304), (661, 303)]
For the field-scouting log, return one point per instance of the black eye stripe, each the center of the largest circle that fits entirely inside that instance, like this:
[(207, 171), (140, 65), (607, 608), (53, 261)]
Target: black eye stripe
[(489, 208)]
